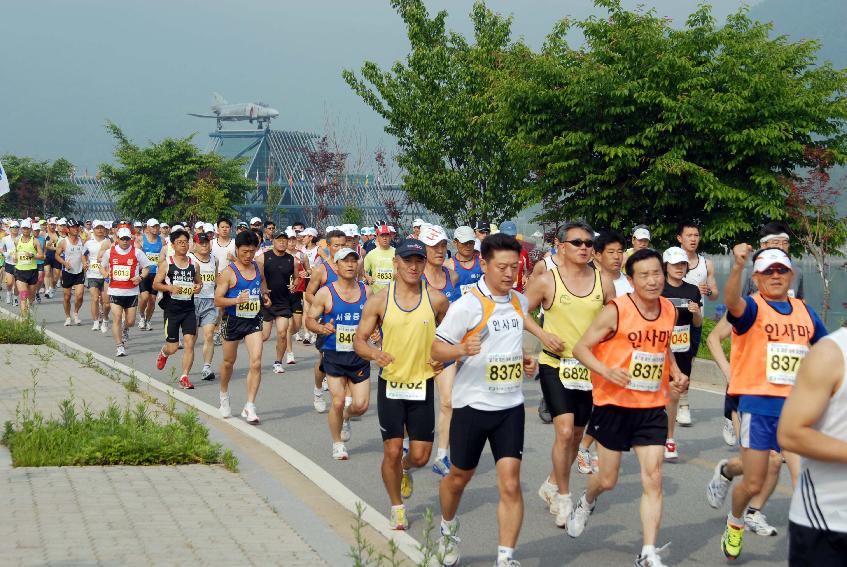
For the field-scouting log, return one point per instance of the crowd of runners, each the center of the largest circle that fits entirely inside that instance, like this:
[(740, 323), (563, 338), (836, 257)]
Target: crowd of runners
[(445, 318)]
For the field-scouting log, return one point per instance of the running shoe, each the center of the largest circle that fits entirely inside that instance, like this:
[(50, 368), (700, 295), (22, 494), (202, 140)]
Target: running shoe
[(148, 326), (289, 358), (48, 294), (407, 485), (125, 335), (319, 403), (398, 519), (507, 563), (95, 326), (67, 321), (249, 413), (161, 360), (345, 430), (448, 546), (298, 336), (441, 466), (207, 374), (339, 452), (548, 493), (671, 454), (579, 516), (307, 340), (77, 320), (652, 559), (583, 461), (564, 506), (683, 416), (226, 410), (120, 350), (718, 487), (731, 540), (595, 463), (324, 385), (38, 297), (141, 323), (278, 368), (106, 327), (218, 340), (729, 433), (185, 382), (757, 523), (543, 412)]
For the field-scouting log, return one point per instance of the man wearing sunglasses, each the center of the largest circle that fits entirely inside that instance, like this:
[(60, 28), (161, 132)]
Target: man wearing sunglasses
[(776, 235), (572, 294), (773, 332)]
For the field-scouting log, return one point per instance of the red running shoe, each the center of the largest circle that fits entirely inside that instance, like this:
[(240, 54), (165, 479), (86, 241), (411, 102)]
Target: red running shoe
[(185, 382), (161, 360)]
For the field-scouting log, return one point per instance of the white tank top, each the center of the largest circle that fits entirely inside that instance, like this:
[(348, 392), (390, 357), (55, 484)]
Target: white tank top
[(93, 246), (220, 252), (73, 254), (698, 274), (208, 273), (820, 499), (549, 264)]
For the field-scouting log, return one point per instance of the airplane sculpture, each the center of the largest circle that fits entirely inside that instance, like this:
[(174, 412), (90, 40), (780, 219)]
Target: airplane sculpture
[(223, 111)]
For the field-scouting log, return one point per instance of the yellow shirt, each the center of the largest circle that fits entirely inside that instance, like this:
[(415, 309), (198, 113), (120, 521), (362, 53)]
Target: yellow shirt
[(569, 316), (408, 337), (379, 264)]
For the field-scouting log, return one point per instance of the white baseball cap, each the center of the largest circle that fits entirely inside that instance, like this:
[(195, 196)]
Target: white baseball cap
[(208, 227), (464, 234), (177, 227), (432, 234), (330, 228), (770, 256), (289, 232), (97, 223), (124, 232), (255, 220), (198, 224), (641, 234), (151, 222), (52, 220), (62, 222), (343, 253), (26, 223), (418, 222), (674, 255), (310, 232)]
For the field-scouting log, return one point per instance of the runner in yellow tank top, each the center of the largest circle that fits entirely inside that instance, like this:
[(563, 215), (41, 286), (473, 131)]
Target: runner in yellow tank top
[(407, 311), (572, 295)]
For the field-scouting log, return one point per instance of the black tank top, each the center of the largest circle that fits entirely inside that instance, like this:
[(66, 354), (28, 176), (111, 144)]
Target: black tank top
[(184, 279), (279, 273)]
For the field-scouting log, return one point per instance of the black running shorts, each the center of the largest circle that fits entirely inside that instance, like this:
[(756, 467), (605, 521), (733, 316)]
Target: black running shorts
[(561, 400), (297, 302), (808, 547), (619, 429), (124, 301), (279, 308), (146, 285), (346, 365), (29, 277), (70, 280), (470, 428), (235, 328), (183, 319), (415, 417)]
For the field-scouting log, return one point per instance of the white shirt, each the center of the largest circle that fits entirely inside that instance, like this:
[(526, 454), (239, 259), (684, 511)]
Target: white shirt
[(622, 286), (143, 262), (8, 247), (222, 253), (502, 344), (207, 272), (93, 246)]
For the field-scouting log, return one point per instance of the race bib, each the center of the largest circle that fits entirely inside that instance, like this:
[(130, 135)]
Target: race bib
[(24, 257), (153, 257), (412, 391), (185, 293), (573, 375), (344, 338), (681, 338), (783, 361), (645, 371), (208, 277), (248, 309), (384, 276), (467, 288), (504, 372), (94, 267), (121, 273)]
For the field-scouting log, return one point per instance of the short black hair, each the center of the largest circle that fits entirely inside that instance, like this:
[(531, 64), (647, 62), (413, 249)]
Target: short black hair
[(563, 230), (335, 234), (226, 220), (607, 237), (687, 224), (299, 223), (774, 227), (269, 223), (177, 233), (497, 242), (638, 256), (246, 238)]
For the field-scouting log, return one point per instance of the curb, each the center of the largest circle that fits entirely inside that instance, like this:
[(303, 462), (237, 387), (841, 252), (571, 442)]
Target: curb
[(408, 545)]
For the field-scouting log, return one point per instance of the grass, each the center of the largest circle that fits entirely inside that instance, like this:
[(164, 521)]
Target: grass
[(25, 331), (364, 554), (703, 351)]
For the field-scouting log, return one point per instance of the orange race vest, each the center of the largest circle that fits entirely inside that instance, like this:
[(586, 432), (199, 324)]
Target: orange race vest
[(640, 346), (764, 360)]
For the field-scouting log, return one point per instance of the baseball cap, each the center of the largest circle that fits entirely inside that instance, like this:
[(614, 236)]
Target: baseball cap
[(151, 222), (345, 252), (72, 223), (509, 228), (383, 229), (281, 233), (770, 256), (418, 222), (26, 223), (62, 221), (310, 232), (201, 237), (124, 232), (177, 227), (242, 224), (641, 233), (137, 224), (674, 255), (208, 227), (464, 234), (432, 234), (14, 224), (482, 225), (290, 232), (411, 247), (255, 220), (164, 224), (52, 220), (97, 223)]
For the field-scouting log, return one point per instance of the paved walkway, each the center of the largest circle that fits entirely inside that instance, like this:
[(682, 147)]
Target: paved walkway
[(161, 515)]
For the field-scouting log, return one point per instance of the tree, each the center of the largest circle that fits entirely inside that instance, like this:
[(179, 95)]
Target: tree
[(161, 179), (326, 163), (353, 215), (272, 200), (438, 105), (650, 124), (206, 200), (39, 187)]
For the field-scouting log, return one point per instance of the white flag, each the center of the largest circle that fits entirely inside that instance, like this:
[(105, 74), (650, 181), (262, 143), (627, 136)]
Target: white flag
[(4, 181)]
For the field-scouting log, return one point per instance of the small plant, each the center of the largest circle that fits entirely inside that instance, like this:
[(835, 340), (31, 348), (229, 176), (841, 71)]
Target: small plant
[(230, 461), (8, 356), (21, 331), (362, 552), (45, 356), (88, 361), (131, 385)]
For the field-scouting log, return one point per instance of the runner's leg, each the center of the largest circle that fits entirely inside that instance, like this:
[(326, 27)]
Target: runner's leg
[(510, 507), (650, 459), (253, 342)]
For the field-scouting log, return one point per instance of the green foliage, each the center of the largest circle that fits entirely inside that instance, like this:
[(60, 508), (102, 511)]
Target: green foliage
[(438, 104), (703, 351), (272, 202), (21, 332), (38, 187), (353, 215), (172, 179)]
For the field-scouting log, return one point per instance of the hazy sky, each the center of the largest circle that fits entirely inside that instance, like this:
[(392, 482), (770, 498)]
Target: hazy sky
[(68, 65)]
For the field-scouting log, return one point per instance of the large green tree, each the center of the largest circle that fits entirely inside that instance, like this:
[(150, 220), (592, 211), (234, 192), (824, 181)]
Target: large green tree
[(38, 187), (172, 179), (649, 124), (437, 104)]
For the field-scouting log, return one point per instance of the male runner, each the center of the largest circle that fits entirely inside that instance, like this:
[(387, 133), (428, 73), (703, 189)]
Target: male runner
[(776, 235), (241, 292), (772, 334), (407, 312), (51, 240), (466, 261), (125, 266), (630, 367), (27, 251), (72, 254), (572, 294), (640, 240), (277, 267), (379, 263), (484, 330), (310, 250), (814, 424), (151, 245), (98, 294), (301, 269), (204, 300), (223, 249), (335, 315), (7, 244)]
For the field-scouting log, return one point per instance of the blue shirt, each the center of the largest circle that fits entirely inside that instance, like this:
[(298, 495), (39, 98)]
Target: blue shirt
[(768, 405)]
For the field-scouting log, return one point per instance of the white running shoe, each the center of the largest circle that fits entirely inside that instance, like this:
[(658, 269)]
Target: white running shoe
[(757, 523), (652, 559), (324, 385), (339, 452), (106, 327), (583, 461), (249, 413), (319, 403), (226, 410), (548, 493), (141, 323), (507, 563), (683, 416), (718, 487), (67, 321), (278, 368), (448, 547), (148, 326), (77, 320), (95, 326), (564, 508), (120, 350), (579, 516), (729, 433), (345, 430), (671, 453), (289, 358)]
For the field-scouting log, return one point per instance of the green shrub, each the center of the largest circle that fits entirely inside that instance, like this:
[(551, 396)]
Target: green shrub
[(703, 351), (21, 332)]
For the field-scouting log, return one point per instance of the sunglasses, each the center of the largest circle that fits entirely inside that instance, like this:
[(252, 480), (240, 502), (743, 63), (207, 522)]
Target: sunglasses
[(127, 238), (576, 243), (781, 270)]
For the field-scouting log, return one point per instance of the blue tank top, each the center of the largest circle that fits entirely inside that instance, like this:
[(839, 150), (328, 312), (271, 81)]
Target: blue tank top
[(252, 308), (331, 276), (345, 317), (152, 250), (467, 276), (451, 291), (43, 241)]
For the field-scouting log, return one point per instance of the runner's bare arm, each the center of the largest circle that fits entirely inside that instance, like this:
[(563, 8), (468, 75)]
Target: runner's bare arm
[(226, 280), (604, 325), (711, 281), (539, 268), (60, 249), (159, 279), (537, 292), (719, 333), (316, 310), (608, 288), (735, 303), (439, 303), (371, 318), (315, 283), (39, 250), (819, 377)]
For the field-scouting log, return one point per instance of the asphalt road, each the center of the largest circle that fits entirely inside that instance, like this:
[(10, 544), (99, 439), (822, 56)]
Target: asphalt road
[(613, 535)]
